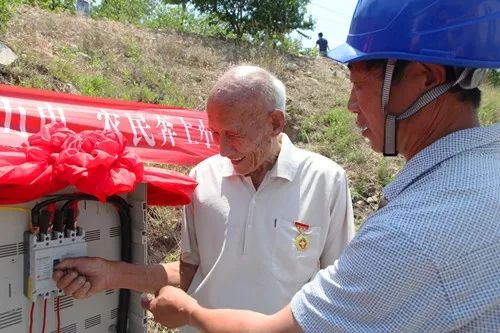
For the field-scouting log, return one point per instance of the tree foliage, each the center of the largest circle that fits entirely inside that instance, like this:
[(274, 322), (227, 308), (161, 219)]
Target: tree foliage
[(257, 17), (254, 20), (280, 17)]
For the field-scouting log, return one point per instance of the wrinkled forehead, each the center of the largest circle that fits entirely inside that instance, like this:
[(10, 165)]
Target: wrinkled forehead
[(235, 115), (239, 109)]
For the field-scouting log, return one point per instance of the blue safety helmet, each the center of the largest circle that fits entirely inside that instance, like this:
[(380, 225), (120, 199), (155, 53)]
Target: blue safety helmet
[(459, 33)]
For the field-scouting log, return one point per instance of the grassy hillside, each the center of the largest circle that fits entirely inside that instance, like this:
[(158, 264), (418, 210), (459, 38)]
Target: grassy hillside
[(63, 52), (103, 58)]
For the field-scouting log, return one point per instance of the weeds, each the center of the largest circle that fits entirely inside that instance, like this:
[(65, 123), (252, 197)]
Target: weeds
[(494, 77), (335, 132), (6, 12), (489, 112), (109, 59)]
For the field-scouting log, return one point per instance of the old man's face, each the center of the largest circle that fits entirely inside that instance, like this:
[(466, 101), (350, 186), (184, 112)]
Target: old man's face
[(243, 132)]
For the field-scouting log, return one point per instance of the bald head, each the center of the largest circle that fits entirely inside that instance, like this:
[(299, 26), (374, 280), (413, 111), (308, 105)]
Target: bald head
[(249, 84), (245, 111)]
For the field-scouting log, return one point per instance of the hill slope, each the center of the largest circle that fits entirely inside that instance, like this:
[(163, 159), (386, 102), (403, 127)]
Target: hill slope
[(103, 58)]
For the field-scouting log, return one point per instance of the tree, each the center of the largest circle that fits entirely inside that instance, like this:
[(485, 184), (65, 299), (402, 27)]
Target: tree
[(279, 17), (182, 3), (253, 17)]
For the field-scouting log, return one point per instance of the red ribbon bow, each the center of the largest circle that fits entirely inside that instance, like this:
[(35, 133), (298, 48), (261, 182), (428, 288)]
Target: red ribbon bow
[(96, 162)]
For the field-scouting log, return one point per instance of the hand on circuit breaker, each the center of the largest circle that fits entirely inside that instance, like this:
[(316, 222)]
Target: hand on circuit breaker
[(172, 307), (82, 277)]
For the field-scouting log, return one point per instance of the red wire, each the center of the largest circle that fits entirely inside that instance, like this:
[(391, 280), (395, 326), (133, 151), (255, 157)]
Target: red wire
[(44, 314), (31, 316), (58, 315), (51, 208)]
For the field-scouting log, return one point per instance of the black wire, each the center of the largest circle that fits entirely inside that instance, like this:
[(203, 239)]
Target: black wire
[(126, 253), (126, 242)]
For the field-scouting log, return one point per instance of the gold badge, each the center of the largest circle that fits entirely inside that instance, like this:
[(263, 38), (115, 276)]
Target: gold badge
[(301, 240)]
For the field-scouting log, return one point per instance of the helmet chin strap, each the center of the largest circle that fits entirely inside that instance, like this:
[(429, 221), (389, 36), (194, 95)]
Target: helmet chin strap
[(390, 127), (390, 119)]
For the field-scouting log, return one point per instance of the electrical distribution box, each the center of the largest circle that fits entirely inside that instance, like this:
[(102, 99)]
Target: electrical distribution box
[(23, 280)]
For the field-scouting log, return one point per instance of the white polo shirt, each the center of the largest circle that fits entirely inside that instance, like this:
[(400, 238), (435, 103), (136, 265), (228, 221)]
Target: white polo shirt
[(247, 245)]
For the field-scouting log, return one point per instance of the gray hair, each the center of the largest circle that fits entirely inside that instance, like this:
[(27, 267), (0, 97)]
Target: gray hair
[(279, 94), (245, 83)]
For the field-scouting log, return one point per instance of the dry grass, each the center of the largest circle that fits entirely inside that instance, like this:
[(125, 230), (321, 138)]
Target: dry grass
[(154, 327), (110, 59)]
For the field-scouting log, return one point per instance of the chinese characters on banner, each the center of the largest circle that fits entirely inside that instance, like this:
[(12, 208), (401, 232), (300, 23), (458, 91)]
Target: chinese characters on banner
[(158, 133)]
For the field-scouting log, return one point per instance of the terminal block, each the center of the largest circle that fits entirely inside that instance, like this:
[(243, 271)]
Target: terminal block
[(42, 253)]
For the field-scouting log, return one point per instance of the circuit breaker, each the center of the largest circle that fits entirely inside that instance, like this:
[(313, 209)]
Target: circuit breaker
[(29, 297), (42, 254)]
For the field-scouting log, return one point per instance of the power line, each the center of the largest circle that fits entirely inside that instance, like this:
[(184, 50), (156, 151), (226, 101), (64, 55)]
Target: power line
[(323, 16), (329, 9)]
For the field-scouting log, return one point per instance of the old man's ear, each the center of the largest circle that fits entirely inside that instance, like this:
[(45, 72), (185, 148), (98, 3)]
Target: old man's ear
[(277, 121)]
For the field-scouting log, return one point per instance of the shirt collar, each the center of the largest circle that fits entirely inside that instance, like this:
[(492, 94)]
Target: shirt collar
[(286, 165), (449, 146)]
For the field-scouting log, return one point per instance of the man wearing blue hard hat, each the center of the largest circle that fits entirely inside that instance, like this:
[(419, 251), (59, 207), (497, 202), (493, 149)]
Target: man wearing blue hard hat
[(429, 260)]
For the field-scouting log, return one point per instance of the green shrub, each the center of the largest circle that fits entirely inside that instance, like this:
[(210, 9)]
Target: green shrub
[(494, 77), (489, 111), (335, 131), (384, 174), (129, 11), (6, 12), (185, 20)]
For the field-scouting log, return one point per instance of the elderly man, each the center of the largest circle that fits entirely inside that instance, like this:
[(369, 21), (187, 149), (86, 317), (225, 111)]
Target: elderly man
[(264, 217), (429, 260)]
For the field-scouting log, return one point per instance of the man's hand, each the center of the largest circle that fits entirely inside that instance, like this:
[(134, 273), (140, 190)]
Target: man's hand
[(83, 277), (172, 307)]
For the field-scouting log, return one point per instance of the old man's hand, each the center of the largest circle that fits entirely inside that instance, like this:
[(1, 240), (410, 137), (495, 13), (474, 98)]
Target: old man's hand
[(82, 277)]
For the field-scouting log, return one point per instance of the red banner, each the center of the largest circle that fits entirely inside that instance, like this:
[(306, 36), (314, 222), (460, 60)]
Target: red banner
[(157, 133)]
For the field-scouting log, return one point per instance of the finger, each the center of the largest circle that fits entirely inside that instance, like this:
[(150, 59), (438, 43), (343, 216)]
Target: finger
[(83, 292), (66, 279), (57, 275), (67, 263), (75, 285)]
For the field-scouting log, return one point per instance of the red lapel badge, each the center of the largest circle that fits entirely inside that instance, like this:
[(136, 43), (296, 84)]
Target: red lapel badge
[(301, 241)]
